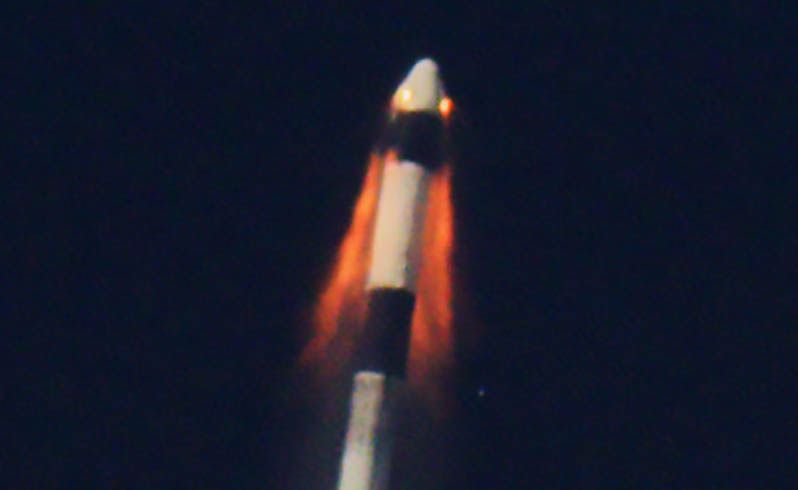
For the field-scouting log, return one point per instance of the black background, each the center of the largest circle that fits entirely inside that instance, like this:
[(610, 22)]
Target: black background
[(624, 221)]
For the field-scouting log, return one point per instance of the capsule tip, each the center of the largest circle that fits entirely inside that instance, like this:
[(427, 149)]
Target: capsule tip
[(422, 90)]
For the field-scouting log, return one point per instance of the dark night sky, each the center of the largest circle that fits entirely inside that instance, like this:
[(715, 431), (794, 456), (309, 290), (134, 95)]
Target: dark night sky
[(625, 219)]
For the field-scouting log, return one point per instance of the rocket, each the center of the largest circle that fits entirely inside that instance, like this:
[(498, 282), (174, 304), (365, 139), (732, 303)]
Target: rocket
[(411, 150)]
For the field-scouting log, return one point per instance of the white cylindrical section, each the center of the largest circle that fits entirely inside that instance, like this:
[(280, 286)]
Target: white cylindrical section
[(399, 225), (364, 465)]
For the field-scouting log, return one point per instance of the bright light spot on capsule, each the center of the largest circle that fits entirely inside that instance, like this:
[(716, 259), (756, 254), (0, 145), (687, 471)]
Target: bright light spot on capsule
[(445, 106), (405, 95)]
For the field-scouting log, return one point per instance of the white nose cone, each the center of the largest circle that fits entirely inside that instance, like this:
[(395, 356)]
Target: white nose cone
[(421, 90)]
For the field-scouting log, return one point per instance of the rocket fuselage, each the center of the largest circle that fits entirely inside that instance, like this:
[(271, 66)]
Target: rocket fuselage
[(411, 149)]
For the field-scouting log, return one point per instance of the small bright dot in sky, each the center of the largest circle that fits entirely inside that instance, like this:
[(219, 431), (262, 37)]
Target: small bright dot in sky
[(481, 391)]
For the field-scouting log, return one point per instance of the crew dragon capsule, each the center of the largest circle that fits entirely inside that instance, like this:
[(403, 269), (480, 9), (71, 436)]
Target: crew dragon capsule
[(411, 150)]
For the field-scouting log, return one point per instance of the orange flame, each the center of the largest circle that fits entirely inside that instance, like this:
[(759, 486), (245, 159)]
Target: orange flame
[(344, 296), (343, 303), (431, 335)]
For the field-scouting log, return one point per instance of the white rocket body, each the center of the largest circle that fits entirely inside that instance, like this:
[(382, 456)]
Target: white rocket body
[(399, 226), (366, 459), (395, 256), (403, 194)]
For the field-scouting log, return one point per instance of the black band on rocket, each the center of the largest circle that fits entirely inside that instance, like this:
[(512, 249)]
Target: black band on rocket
[(386, 334), (415, 136)]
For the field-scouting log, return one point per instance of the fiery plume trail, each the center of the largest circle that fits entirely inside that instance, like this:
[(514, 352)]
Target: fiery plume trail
[(342, 301), (431, 331)]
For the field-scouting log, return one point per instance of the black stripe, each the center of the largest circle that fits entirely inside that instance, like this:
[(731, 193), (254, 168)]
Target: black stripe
[(415, 136), (386, 334)]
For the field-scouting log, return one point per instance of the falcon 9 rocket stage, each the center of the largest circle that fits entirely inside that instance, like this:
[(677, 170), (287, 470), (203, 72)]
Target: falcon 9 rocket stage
[(411, 150)]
